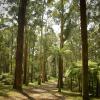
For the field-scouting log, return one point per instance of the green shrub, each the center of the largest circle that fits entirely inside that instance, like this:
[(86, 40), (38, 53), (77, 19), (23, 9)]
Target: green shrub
[(7, 79)]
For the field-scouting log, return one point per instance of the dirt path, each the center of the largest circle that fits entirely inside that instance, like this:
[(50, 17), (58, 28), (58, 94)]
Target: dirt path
[(48, 91), (45, 92)]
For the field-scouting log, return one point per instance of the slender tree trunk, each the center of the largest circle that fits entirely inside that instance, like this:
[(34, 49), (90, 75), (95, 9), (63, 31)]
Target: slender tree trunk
[(11, 65), (25, 80), (29, 59), (43, 70), (20, 41), (32, 70), (60, 74), (41, 59), (43, 56), (84, 36), (98, 76), (89, 86), (92, 88), (44, 62), (98, 85), (56, 64), (32, 73), (7, 65), (79, 84)]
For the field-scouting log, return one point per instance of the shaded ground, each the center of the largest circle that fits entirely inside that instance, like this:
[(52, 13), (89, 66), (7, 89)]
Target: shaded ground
[(47, 91)]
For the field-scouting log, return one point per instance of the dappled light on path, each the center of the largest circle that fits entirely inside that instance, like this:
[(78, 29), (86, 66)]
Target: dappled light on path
[(46, 91)]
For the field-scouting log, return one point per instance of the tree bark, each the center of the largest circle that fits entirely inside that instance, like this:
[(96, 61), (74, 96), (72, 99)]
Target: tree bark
[(11, 65), (25, 80), (60, 74), (32, 67), (98, 85), (84, 36), (20, 41)]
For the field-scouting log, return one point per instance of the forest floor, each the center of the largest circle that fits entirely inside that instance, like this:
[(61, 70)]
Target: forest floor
[(47, 91)]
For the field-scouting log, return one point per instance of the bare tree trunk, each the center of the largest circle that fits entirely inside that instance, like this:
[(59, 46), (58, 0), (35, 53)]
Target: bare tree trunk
[(60, 74), (98, 84), (20, 41), (25, 80), (43, 70), (11, 65), (84, 36), (98, 70), (32, 66)]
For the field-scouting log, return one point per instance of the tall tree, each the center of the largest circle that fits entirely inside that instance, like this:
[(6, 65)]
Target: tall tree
[(42, 65), (25, 78), (84, 37), (20, 41), (60, 75)]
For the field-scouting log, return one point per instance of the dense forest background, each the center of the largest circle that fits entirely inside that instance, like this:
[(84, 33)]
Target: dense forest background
[(43, 40)]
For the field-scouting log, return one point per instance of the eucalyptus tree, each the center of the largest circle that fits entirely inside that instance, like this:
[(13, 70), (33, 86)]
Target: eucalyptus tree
[(41, 48), (49, 41), (93, 30), (42, 74), (20, 40), (84, 36), (60, 75), (58, 15), (63, 15)]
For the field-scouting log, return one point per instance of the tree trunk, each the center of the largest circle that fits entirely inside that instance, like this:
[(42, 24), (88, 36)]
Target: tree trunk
[(79, 82), (32, 74), (43, 56), (98, 70), (25, 80), (98, 85), (44, 63), (92, 87), (11, 65), (84, 37), (41, 59), (20, 41), (60, 74), (43, 70), (32, 67)]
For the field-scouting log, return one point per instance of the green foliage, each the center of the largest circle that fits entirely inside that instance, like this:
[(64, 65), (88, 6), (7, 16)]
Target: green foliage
[(6, 79), (51, 12)]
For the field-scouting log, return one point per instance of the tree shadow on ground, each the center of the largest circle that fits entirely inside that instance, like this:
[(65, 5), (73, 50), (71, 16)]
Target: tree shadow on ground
[(72, 94), (47, 89), (28, 96), (35, 90), (55, 93), (4, 93)]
